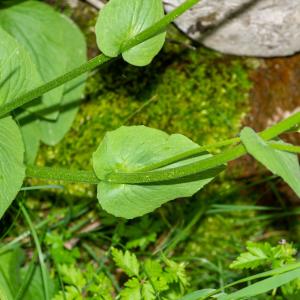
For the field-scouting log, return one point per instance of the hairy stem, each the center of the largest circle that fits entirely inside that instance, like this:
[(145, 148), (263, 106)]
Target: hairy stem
[(62, 174), (99, 60), (41, 90)]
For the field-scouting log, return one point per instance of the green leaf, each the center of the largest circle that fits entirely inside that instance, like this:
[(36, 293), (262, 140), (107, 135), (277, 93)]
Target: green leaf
[(197, 295), (38, 28), (126, 261), (132, 290), (121, 20), (148, 292), (30, 130), (17, 72), (10, 262), (262, 286), (12, 169), (258, 254), (128, 149), (52, 132), (66, 49), (281, 163), (35, 289), (72, 276)]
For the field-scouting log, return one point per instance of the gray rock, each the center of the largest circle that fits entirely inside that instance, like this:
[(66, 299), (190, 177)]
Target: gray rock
[(260, 28)]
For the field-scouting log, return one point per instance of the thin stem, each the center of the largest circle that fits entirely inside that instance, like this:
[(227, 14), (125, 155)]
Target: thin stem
[(187, 154), (159, 26), (99, 60), (281, 127), (285, 147), (39, 250), (62, 174)]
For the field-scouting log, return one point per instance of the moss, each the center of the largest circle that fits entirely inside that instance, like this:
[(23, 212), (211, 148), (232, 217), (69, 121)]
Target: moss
[(198, 93)]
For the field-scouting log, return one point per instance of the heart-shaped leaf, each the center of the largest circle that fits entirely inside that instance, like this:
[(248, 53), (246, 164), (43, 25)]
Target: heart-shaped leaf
[(38, 28), (128, 149), (52, 132), (121, 20), (12, 169), (61, 46), (281, 163), (17, 72)]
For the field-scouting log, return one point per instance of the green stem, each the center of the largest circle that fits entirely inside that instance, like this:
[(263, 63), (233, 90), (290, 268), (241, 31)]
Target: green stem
[(202, 165), (188, 154), (159, 26), (62, 174), (39, 250), (99, 60), (146, 175), (285, 147), (41, 90)]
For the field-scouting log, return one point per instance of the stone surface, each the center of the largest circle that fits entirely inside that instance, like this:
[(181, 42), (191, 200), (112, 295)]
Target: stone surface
[(261, 28)]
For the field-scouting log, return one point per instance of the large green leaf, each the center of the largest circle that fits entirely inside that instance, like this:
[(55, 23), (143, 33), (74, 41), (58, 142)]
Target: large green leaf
[(73, 52), (38, 28), (129, 148), (10, 262), (17, 72), (279, 162), (12, 277), (9, 277), (12, 169), (52, 132), (121, 20)]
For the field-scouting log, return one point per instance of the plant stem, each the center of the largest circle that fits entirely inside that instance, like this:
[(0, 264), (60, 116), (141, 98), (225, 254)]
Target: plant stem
[(285, 147), (202, 165), (99, 60), (62, 174), (41, 90), (39, 250), (187, 154), (146, 175), (159, 26)]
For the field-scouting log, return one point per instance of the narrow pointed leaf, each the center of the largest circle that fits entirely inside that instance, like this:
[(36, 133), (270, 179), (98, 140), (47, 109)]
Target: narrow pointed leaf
[(281, 163), (263, 286)]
